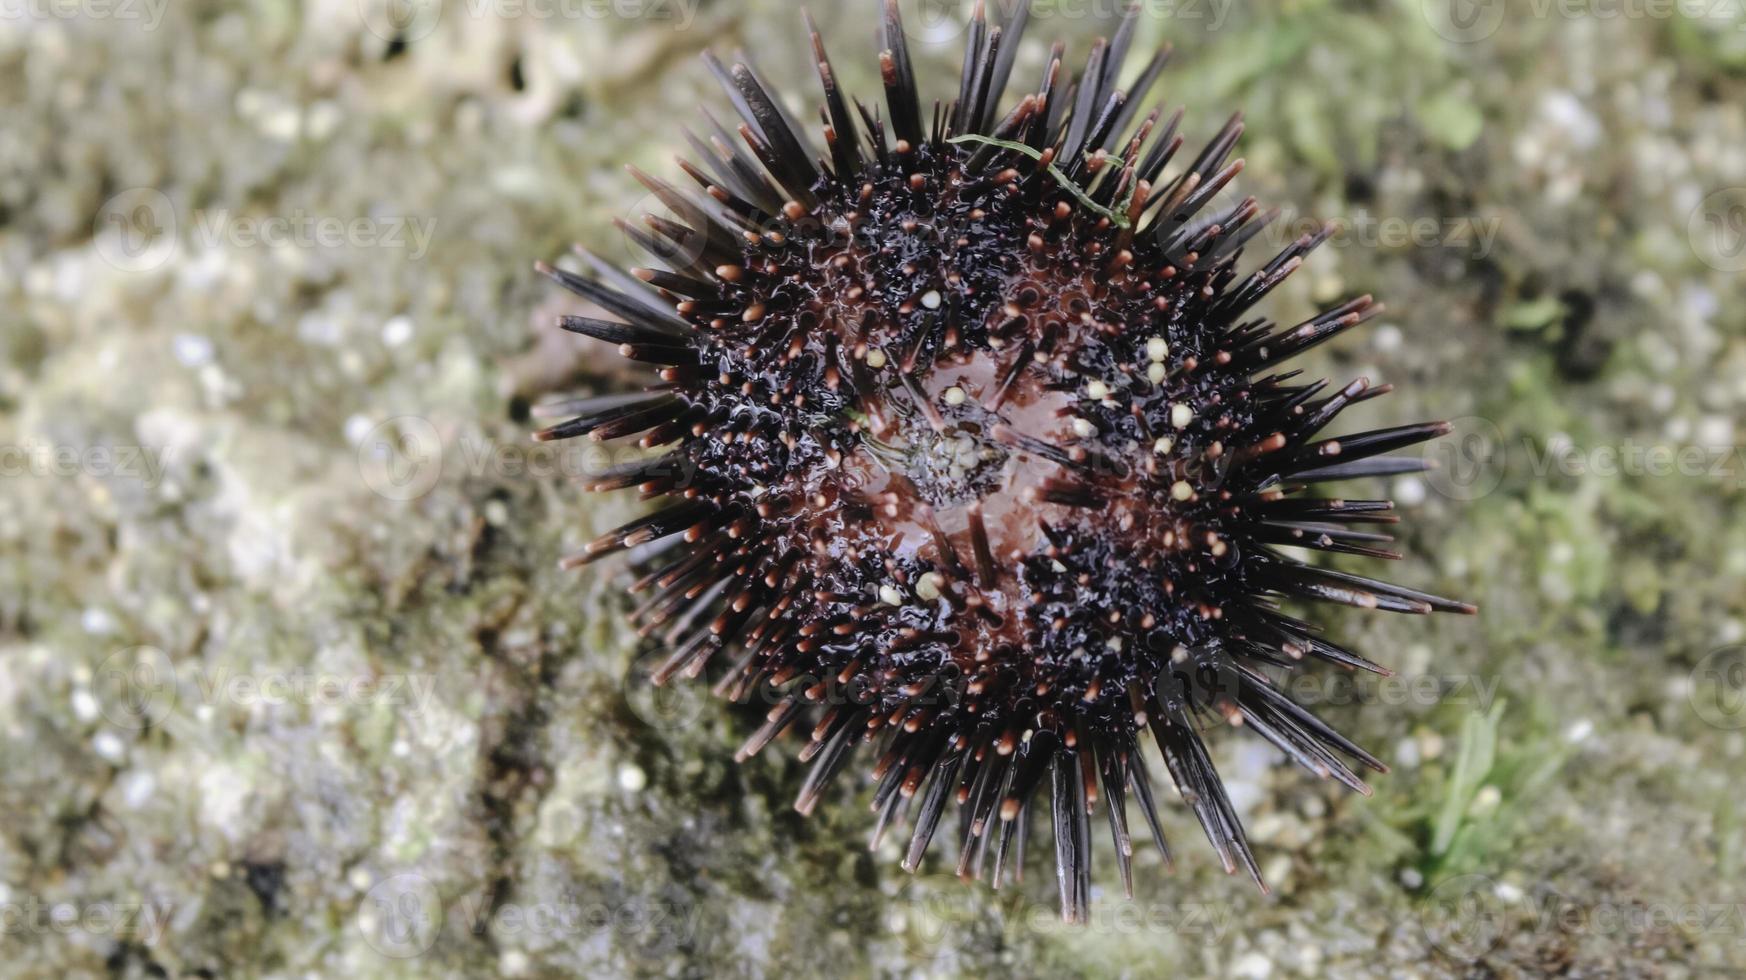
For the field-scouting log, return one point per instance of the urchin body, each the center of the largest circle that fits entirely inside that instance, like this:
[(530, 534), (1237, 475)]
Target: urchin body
[(976, 454)]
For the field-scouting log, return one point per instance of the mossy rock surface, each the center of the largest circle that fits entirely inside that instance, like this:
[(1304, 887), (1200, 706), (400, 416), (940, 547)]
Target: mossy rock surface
[(275, 703)]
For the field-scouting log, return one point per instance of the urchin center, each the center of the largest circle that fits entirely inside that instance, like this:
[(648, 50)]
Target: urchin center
[(949, 467)]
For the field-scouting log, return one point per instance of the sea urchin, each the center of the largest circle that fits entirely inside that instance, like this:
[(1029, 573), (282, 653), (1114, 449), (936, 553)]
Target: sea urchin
[(974, 454)]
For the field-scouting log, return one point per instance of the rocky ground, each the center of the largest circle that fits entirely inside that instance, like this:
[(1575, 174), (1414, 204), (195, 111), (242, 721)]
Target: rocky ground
[(292, 685)]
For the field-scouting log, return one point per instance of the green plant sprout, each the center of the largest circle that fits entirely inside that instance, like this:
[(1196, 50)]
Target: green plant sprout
[(1118, 218)]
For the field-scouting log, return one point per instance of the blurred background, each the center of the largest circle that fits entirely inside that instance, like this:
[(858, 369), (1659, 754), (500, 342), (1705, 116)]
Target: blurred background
[(290, 683)]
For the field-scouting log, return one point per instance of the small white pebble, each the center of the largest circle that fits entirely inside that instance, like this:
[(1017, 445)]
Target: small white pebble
[(359, 879), (1430, 746), (1155, 373), (631, 778), (282, 124), (955, 396), (1163, 445), (1486, 800), (1083, 428), (1579, 732), (889, 595), (1097, 390), (357, 427), (85, 706), (1409, 491), (321, 119), (1157, 349), (1715, 431), (137, 789), (928, 586), (1411, 877), (111, 748), (96, 621), (876, 359), (931, 299), (1181, 415), (191, 349), (1114, 643), (1180, 490), (397, 331), (1277, 870), (1406, 754), (1252, 966), (1507, 892)]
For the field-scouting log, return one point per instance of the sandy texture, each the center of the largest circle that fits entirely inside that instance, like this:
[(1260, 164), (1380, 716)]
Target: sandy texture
[(291, 685)]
